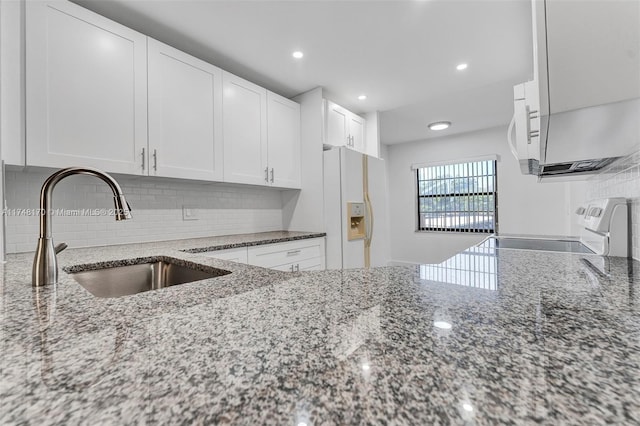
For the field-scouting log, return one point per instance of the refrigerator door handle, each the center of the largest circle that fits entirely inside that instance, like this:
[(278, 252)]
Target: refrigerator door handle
[(368, 219)]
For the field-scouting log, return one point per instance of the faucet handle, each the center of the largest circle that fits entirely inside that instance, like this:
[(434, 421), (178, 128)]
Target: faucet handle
[(59, 247)]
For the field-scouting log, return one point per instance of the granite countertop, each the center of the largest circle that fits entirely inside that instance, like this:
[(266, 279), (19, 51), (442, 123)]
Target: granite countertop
[(490, 336)]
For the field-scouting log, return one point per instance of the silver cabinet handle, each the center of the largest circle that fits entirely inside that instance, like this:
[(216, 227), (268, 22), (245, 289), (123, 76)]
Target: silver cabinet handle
[(272, 173), (266, 174), (291, 268), (143, 159), (298, 267), (155, 160), (528, 125), (293, 252)]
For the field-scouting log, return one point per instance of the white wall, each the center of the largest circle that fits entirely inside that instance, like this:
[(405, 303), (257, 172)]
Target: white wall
[(156, 207), (381, 240), (524, 205), (303, 210), (621, 180)]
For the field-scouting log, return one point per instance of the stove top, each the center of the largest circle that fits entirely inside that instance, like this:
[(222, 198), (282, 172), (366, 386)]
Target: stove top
[(567, 246)]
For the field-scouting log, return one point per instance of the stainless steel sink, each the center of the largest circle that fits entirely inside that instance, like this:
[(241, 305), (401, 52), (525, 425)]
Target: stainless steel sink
[(149, 274)]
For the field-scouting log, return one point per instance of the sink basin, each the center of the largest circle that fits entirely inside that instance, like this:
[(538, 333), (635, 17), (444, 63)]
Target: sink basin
[(148, 274)]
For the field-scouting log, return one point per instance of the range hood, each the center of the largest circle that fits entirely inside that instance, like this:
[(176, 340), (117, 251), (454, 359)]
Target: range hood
[(581, 111)]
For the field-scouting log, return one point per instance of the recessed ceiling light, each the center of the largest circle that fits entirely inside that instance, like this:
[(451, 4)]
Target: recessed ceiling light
[(440, 125), (297, 54), (467, 407), (461, 67), (442, 324), (362, 97)]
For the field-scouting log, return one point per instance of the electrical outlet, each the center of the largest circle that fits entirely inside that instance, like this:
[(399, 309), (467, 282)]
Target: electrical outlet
[(189, 213)]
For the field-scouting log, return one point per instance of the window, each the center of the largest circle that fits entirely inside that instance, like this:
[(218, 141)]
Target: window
[(458, 197)]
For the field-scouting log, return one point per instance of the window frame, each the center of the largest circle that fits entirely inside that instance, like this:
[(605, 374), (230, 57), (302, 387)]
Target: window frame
[(416, 178)]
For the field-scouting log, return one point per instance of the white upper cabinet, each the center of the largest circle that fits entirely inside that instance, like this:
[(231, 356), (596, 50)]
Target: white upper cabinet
[(245, 131), (336, 125), (185, 115), (356, 132), (592, 51), (99, 94), (344, 128), (261, 135), (283, 130), (86, 89)]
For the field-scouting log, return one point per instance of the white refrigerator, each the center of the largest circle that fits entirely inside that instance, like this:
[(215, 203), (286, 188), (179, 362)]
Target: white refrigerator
[(355, 210)]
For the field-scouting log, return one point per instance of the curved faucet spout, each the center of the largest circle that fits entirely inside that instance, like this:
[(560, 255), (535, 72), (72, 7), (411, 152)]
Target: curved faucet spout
[(45, 264)]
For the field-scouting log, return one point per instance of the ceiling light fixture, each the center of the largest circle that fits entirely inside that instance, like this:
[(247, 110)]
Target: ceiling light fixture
[(442, 325), (362, 97), (461, 67), (297, 54), (440, 125)]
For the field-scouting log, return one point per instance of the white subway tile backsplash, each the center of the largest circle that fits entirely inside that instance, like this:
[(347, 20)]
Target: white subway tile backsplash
[(621, 179), (157, 210)]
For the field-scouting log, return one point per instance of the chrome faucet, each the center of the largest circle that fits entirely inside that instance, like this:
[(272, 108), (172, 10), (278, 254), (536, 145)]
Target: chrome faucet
[(45, 263)]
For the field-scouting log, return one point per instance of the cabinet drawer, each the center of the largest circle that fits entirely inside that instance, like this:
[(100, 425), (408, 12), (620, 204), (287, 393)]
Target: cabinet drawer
[(272, 255), (234, 255)]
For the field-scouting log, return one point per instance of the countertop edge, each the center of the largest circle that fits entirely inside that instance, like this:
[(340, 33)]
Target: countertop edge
[(255, 243)]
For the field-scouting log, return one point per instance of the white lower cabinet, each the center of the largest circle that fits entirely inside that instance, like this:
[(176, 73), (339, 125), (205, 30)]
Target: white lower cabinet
[(291, 256), (315, 264), (284, 255), (234, 255)]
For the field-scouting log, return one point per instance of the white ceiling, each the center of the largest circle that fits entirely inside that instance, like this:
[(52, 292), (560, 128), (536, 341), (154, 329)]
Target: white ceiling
[(402, 54)]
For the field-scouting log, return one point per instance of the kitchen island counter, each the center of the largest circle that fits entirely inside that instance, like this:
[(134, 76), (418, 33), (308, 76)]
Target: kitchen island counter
[(489, 336)]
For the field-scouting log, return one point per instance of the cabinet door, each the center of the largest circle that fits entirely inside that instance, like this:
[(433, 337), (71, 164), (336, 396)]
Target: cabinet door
[(356, 132), (185, 115), (86, 89), (283, 130), (337, 125), (244, 112), (315, 264)]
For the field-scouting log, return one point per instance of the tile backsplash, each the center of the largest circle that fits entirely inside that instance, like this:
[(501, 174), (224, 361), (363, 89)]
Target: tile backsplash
[(157, 208), (621, 179)]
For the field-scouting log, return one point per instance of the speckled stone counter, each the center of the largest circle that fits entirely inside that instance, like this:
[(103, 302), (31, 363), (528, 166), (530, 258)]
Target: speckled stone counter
[(490, 336)]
